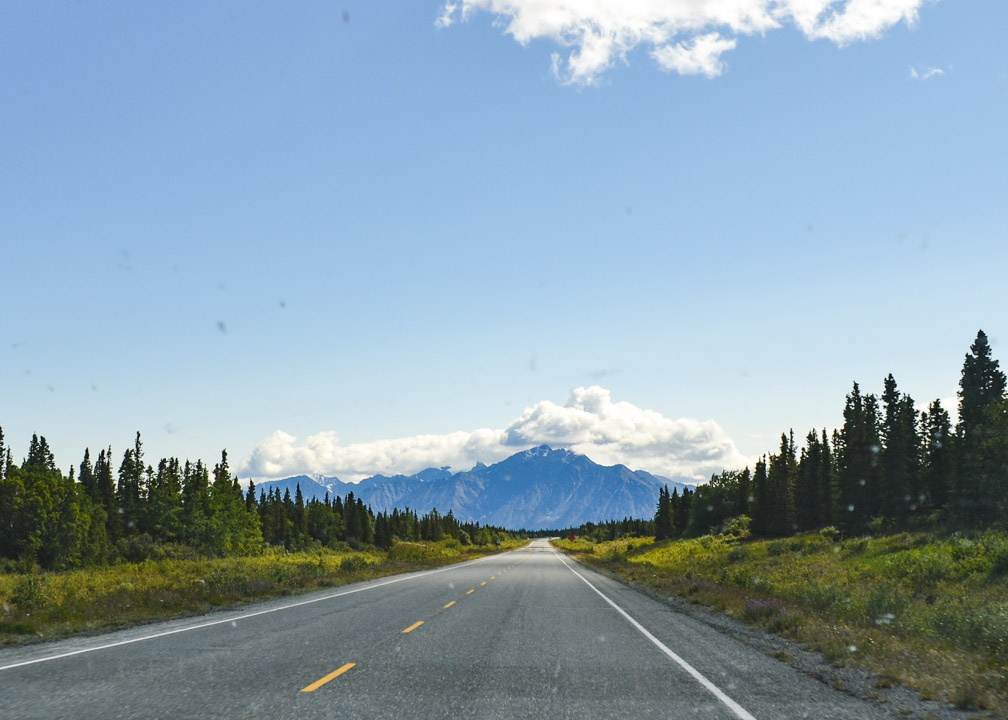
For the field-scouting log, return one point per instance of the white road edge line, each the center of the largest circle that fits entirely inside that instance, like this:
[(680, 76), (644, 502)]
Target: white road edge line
[(246, 616), (714, 690)]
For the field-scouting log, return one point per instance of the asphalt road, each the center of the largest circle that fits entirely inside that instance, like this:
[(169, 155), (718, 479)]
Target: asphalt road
[(523, 634)]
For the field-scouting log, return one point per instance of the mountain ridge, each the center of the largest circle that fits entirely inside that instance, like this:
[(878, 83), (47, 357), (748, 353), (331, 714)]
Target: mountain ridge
[(536, 489)]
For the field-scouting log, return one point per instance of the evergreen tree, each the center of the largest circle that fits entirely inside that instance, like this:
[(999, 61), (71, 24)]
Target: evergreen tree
[(352, 520), (826, 484), (162, 516), (196, 504), (808, 513), (250, 497), (128, 492), (663, 517), (900, 489), (682, 510), (938, 453), (89, 484), (300, 518), (744, 497), (857, 460), (39, 455), (780, 480), (980, 490), (762, 507), (233, 529), (981, 385), (107, 494)]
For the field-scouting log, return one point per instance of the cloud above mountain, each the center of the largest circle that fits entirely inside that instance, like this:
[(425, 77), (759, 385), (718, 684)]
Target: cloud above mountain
[(589, 423), (684, 36)]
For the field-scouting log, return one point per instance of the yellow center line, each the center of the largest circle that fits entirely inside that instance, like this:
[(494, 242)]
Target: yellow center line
[(449, 605), (322, 681), (493, 577), (470, 592), (483, 583), (413, 627)]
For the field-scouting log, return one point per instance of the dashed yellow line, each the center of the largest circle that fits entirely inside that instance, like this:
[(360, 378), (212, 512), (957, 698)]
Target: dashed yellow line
[(493, 577), (413, 627), (322, 681), (449, 605), (483, 583), (470, 592)]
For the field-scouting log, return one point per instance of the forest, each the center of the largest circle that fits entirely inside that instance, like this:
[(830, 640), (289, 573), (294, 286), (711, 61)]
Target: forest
[(98, 516), (888, 468)]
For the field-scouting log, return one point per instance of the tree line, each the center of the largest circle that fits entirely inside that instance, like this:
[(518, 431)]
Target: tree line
[(889, 467), (98, 515)]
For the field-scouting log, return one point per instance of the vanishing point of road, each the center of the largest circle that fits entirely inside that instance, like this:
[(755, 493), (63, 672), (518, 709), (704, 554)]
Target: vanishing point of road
[(523, 634)]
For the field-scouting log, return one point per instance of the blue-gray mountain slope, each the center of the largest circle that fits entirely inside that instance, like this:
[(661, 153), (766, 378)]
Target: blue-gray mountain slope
[(536, 489)]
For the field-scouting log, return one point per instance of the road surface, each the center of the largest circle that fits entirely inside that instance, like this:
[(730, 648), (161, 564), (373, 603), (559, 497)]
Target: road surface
[(523, 634)]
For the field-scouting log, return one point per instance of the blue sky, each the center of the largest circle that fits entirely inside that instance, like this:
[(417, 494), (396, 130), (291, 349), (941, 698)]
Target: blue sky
[(349, 238)]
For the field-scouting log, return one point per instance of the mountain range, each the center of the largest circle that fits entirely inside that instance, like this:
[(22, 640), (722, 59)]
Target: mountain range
[(537, 489)]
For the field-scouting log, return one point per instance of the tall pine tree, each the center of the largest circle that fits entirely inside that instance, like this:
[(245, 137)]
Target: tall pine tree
[(981, 478)]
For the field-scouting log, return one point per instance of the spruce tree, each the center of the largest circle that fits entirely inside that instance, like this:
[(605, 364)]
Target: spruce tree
[(826, 483), (663, 517), (938, 453), (86, 478), (780, 479), (682, 511), (857, 449), (162, 517), (901, 489), (762, 506), (130, 488), (300, 518), (980, 490), (107, 494), (807, 496)]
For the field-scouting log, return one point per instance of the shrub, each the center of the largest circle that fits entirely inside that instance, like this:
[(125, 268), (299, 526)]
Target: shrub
[(738, 527), (857, 546), (758, 609), (830, 534), (776, 547), (30, 593), (997, 554), (353, 563)]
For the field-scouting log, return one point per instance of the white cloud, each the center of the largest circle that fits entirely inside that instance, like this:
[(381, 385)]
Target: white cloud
[(926, 74), (447, 16), (702, 56), (684, 36), (589, 423)]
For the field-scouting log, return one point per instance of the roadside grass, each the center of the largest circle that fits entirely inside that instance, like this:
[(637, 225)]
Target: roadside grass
[(926, 612), (37, 605)]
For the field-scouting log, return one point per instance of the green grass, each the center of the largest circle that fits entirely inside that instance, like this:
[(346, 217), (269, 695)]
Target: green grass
[(38, 605), (930, 613)]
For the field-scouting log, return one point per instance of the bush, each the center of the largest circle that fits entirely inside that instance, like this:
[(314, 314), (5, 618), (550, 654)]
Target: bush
[(776, 547), (830, 533), (738, 527), (353, 563), (997, 553), (758, 609), (30, 593)]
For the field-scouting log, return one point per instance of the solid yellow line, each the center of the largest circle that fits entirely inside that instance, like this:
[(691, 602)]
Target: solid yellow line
[(449, 605), (470, 592), (483, 583), (413, 627), (322, 681)]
